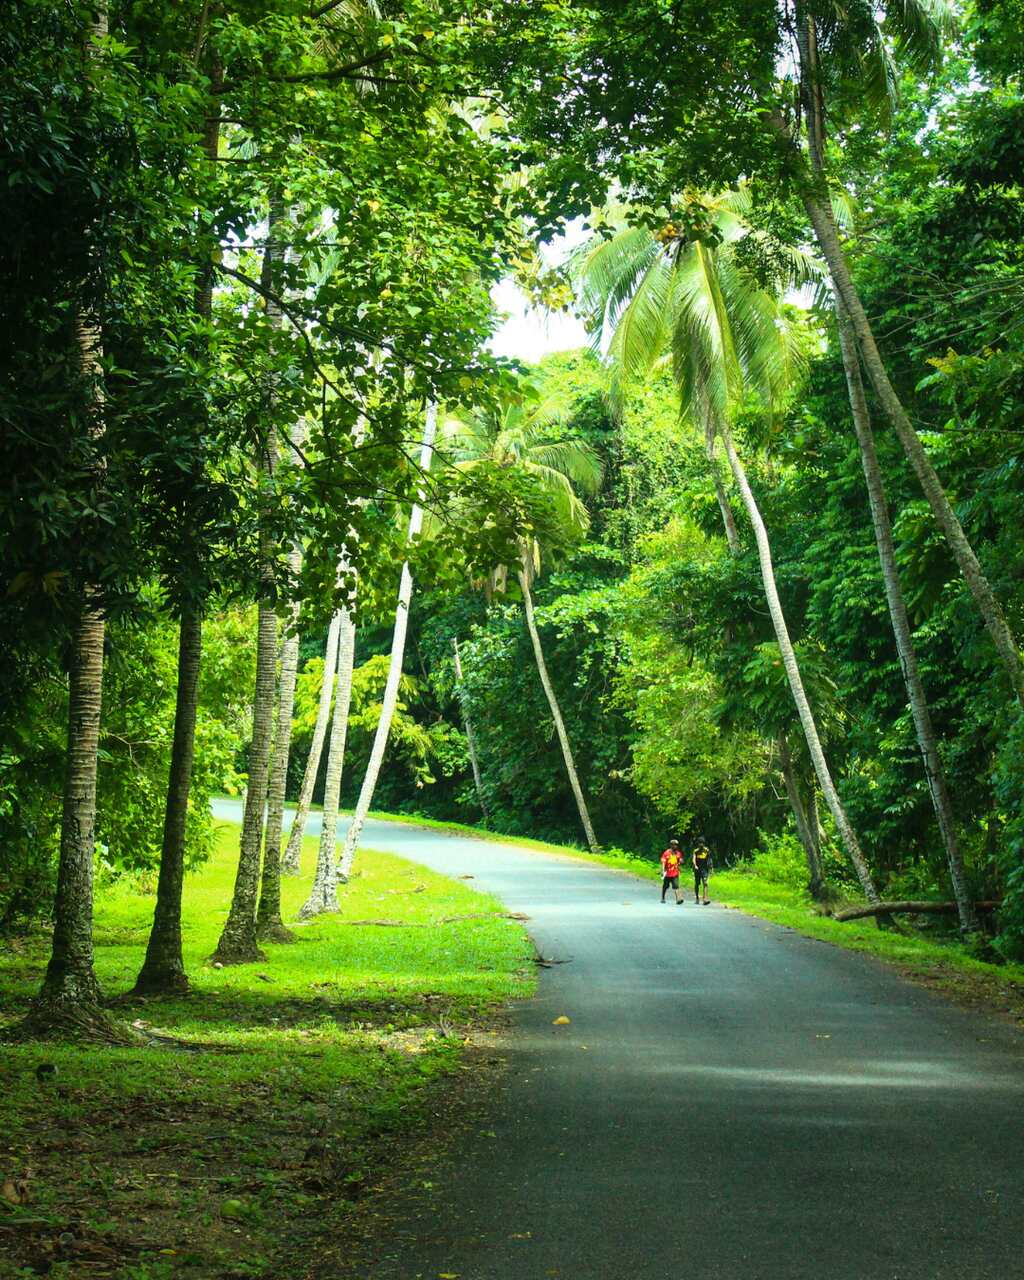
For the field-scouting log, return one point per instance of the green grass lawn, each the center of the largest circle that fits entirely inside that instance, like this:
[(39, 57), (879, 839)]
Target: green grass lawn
[(147, 1163)]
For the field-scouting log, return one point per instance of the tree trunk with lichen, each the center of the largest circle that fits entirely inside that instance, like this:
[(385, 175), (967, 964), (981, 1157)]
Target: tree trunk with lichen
[(290, 863), (238, 942), (269, 925), (323, 895)]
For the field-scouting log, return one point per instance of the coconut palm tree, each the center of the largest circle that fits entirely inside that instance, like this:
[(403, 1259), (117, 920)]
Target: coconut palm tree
[(521, 433), (848, 62), (692, 299), (474, 755), (238, 943), (391, 687), (292, 853)]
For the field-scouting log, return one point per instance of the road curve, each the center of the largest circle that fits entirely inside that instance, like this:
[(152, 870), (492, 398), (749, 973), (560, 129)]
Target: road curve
[(730, 1101)]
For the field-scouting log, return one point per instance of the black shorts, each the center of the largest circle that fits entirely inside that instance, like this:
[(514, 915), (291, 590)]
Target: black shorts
[(700, 875)]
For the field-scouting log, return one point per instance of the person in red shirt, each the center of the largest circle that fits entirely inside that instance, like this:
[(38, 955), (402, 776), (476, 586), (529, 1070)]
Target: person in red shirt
[(671, 861)]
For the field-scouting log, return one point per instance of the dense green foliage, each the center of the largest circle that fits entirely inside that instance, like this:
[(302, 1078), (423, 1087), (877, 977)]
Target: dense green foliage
[(270, 216)]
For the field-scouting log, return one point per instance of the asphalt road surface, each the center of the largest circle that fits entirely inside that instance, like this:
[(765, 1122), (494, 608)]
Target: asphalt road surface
[(730, 1101)]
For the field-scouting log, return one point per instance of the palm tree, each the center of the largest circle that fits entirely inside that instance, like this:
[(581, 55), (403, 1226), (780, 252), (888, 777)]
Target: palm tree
[(269, 924), (726, 335), (70, 988), (474, 757), (520, 433), (163, 969), (847, 48), (238, 943), (292, 853), (390, 698), (918, 29), (323, 895)]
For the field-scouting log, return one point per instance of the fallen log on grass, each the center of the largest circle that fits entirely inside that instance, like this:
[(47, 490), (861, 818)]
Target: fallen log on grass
[(908, 908)]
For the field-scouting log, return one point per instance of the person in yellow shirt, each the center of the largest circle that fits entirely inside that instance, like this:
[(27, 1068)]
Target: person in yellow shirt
[(701, 870)]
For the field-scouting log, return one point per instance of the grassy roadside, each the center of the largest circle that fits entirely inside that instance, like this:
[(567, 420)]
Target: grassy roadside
[(143, 1164), (943, 965)]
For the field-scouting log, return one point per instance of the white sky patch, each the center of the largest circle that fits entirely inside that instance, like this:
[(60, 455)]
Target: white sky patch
[(529, 333)]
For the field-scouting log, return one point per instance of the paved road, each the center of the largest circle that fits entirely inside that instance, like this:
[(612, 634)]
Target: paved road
[(731, 1101)]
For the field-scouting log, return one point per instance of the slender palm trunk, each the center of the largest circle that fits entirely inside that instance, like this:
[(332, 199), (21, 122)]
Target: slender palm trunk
[(804, 830), (556, 715), (70, 978), (820, 213), (732, 534), (803, 707), (323, 896), (474, 758), (926, 739), (269, 924), (292, 854), (238, 942), (70, 983), (816, 881), (163, 969), (390, 699)]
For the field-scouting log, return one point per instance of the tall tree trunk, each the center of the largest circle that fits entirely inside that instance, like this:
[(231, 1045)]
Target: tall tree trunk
[(803, 707), (238, 942), (474, 758), (323, 896), (815, 878), (732, 534), (70, 987), (292, 854), (820, 213), (390, 698), (269, 925), (926, 739), (163, 970), (816, 882), (556, 715), (70, 978)]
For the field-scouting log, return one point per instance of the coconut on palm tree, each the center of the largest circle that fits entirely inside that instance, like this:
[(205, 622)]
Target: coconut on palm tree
[(522, 432)]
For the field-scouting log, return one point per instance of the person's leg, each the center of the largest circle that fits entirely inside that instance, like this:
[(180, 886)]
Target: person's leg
[(704, 881), (665, 882), (696, 885), (676, 890)]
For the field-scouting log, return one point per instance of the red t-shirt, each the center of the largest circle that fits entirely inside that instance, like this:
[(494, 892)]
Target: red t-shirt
[(671, 861)]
